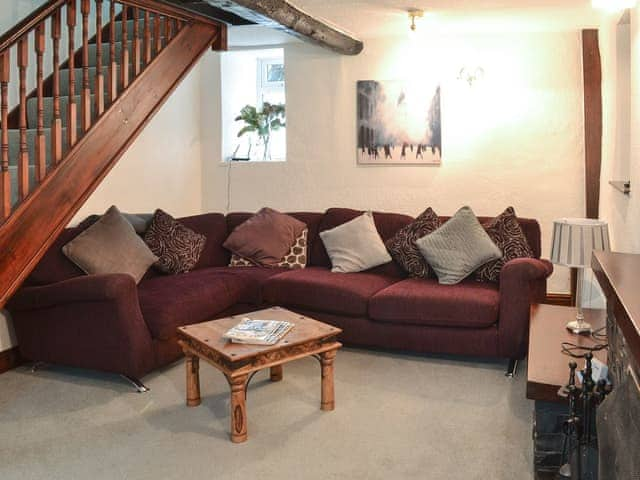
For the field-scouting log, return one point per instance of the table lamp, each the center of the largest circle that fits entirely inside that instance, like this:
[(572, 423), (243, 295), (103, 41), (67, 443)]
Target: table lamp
[(574, 240)]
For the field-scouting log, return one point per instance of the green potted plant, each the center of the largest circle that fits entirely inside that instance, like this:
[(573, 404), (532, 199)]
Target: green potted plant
[(269, 118)]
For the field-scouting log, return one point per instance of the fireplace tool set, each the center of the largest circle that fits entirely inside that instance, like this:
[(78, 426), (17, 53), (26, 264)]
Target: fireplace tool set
[(580, 450)]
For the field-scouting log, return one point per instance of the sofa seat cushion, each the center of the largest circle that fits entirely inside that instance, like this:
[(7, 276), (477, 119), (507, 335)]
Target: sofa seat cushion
[(254, 278), (418, 301), (317, 288), (168, 302)]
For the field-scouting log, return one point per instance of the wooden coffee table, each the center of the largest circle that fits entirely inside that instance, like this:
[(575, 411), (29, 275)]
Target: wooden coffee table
[(239, 362)]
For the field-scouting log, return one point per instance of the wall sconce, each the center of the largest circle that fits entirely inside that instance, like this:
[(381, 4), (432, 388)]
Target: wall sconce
[(413, 14), (471, 74)]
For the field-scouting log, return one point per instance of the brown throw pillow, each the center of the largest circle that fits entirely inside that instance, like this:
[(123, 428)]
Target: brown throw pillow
[(110, 245), (296, 257), (178, 248), (506, 233), (402, 245), (265, 238)]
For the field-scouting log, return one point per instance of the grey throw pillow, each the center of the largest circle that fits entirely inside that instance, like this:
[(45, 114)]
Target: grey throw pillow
[(110, 245), (355, 246), (458, 248)]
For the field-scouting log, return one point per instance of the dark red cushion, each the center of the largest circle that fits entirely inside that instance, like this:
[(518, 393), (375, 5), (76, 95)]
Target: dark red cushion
[(387, 225), (420, 301), (317, 288), (54, 266), (173, 300), (214, 227), (255, 277), (311, 219)]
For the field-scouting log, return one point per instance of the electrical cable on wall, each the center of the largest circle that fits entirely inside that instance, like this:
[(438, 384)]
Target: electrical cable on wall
[(228, 204)]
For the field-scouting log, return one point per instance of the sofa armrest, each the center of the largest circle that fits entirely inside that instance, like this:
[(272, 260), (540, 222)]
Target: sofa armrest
[(522, 281), (91, 321), (86, 288)]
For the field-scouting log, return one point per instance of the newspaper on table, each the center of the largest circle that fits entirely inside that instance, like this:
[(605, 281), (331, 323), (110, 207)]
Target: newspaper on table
[(258, 332)]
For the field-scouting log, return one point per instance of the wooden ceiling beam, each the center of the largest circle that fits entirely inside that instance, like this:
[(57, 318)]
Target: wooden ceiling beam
[(281, 15)]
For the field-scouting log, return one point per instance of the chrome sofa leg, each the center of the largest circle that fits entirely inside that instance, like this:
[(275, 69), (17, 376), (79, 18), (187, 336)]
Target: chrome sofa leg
[(37, 366), (139, 386), (512, 369)]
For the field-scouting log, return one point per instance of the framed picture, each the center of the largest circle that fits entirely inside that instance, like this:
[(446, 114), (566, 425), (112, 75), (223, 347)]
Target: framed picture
[(399, 122)]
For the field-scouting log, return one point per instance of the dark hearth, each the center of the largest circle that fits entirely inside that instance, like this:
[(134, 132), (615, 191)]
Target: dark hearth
[(618, 424)]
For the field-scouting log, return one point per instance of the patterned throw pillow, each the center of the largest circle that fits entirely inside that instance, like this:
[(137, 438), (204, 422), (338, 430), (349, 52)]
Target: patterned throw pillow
[(177, 247), (294, 259), (402, 245), (506, 233)]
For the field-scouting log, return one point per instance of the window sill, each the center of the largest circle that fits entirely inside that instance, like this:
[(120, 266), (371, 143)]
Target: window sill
[(224, 163)]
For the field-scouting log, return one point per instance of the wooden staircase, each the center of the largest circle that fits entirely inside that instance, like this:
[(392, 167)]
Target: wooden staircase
[(75, 112)]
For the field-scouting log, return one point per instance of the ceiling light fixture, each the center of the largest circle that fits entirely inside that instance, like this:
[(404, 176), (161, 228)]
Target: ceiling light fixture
[(613, 5), (413, 14)]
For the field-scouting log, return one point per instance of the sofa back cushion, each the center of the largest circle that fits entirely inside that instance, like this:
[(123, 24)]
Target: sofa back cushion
[(54, 265), (311, 219), (387, 225), (214, 227), (530, 228)]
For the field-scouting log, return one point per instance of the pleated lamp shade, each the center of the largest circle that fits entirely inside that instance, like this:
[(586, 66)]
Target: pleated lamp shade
[(575, 239)]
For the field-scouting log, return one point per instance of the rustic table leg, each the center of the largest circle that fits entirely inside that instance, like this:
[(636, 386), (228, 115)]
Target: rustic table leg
[(326, 360), (238, 408), (193, 381), (276, 373)]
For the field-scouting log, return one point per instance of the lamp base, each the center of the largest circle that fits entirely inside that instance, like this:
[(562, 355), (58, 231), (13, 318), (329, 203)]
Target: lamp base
[(579, 327)]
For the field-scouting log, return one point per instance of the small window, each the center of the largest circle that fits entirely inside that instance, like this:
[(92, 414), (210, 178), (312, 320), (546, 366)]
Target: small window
[(241, 95)]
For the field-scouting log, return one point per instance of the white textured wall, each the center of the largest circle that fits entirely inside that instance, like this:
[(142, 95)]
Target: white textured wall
[(622, 212), (514, 139)]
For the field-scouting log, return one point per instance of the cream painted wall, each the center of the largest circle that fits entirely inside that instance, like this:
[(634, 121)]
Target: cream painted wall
[(516, 138), (622, 212)]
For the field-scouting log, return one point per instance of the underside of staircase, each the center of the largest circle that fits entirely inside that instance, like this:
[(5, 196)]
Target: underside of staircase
[(71, 122)]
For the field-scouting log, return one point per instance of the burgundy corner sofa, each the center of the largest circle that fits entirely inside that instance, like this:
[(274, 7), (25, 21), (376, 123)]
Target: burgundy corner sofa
[(108, 323)]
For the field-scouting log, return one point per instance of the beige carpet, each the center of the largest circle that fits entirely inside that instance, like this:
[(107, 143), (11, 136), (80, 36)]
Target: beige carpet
[(397, 417)]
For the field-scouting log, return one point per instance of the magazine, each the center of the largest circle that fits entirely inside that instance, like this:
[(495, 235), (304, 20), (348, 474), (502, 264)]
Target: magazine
[(258, 332)]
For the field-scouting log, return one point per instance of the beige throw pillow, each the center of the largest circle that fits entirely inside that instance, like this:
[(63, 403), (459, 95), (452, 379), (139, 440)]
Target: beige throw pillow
[(110, 245), (355, 246), (458, 248)]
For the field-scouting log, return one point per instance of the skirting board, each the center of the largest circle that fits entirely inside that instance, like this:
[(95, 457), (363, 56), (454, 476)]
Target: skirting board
[(562, 299), (10, 359)]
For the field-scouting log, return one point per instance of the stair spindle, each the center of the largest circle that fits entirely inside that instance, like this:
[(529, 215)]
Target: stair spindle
[(41, 148), (174, 28), (136, 42), (113, 63), (5, 175), (99, 90), (85, 10), (167, 30), (147, 38), (157, 39), (56, 134), (73, 112), (124, 66), (23, 158)]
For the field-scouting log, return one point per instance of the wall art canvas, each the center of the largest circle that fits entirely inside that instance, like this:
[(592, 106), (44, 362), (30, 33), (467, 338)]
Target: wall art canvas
[(399, 122)]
